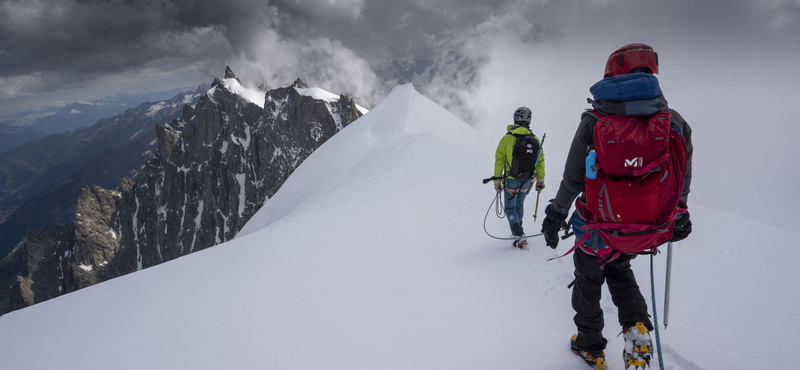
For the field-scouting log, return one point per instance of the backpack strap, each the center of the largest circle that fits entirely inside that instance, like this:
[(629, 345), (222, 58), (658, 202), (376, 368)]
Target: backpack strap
[(520, 135), (580, 241), (651, 166), (611, 257), (596, 113), (516, 127)]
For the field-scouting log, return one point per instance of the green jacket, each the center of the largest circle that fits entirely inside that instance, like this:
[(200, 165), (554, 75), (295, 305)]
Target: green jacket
[(505, 150)]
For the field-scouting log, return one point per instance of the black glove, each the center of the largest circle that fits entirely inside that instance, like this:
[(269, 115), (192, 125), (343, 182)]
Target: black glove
[(551, 226), (683, 227)]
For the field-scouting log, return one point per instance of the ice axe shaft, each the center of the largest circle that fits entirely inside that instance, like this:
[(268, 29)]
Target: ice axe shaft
[(667, 284), (538, 193)]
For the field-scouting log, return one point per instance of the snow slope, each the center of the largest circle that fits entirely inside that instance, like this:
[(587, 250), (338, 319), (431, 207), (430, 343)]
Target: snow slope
[(373, 256), (255, 96), (320, 94)]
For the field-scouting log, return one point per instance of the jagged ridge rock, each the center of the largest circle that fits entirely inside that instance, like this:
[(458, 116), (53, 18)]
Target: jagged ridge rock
[(100, 155), (38, 281), (214, 168)]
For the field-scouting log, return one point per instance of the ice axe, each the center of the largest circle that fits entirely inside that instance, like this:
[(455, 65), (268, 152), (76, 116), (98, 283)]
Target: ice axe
[(538, 192), (492, 179), (666, 288)]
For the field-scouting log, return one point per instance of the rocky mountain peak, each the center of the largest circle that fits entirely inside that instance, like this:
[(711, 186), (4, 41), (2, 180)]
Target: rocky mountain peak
[(167, 137), (298, 83), (229, 74)]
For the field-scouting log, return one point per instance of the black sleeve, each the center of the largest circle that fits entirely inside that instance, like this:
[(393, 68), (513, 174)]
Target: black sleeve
[(682, 127), (572, 183)]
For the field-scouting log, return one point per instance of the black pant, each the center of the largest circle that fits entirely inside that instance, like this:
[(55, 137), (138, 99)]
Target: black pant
[(586, 298)]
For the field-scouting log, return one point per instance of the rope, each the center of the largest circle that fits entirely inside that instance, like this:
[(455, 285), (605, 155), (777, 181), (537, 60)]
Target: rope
[(498, 196), (655, 315), (499, 209)]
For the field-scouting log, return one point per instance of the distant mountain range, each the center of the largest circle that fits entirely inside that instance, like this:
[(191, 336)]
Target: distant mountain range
[(32, 125), (84, 114), (13, 136)]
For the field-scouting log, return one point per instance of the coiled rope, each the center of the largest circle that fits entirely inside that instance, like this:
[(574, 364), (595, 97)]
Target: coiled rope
[(498, 203)]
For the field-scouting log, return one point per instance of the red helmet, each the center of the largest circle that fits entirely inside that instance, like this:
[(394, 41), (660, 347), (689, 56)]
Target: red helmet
[(629, 57)]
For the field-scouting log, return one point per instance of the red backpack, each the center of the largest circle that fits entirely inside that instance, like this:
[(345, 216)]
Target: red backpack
[(641, 164)]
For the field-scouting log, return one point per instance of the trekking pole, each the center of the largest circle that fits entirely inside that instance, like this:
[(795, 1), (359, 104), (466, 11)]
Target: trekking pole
[(537, 205), (666, 288)]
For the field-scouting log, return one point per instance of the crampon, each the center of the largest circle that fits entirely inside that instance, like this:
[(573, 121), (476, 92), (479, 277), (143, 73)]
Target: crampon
[(597, 362), (520, 242), (638, 347)]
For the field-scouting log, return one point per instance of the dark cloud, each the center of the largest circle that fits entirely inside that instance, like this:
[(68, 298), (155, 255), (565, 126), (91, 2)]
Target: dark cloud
[(50, 43), (441, 46)]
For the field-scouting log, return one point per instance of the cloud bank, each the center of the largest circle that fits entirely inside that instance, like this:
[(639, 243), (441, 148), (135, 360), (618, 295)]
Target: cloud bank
[(360, 47)]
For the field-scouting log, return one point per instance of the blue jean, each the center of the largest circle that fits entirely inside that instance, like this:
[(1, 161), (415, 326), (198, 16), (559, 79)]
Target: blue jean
[(515, 206)]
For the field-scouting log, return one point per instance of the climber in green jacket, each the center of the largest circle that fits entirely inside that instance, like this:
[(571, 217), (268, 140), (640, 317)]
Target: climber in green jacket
[(518, 164)]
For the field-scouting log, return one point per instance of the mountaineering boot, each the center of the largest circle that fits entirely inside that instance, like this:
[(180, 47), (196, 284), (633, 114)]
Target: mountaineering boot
[(597, 362), (520, 242), (638, 347)]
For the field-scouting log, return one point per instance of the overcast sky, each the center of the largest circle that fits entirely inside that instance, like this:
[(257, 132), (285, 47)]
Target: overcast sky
[(67, 50), (730, 67)]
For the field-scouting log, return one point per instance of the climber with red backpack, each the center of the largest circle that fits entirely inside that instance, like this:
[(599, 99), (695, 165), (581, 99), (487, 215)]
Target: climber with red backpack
[(629, 172)]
